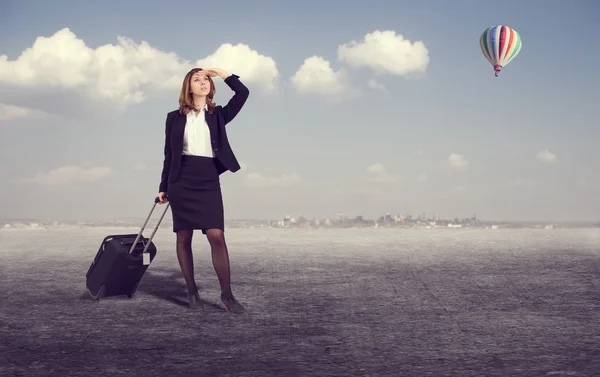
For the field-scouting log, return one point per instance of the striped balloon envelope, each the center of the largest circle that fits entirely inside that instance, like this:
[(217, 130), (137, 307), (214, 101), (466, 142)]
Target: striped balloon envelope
[(500, 45)]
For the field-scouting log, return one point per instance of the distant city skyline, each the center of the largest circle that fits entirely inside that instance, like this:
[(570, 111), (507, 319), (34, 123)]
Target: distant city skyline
[(340, 216), (354, 107)]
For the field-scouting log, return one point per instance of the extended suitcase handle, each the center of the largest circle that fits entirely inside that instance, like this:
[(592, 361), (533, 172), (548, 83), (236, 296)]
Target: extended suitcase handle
[(156, 201)]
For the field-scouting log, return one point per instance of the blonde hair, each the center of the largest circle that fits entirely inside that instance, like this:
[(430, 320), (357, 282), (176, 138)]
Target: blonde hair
[(186, 100)]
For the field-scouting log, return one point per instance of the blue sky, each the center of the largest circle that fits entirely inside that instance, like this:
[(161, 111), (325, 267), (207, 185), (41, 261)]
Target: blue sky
[(524, 144)]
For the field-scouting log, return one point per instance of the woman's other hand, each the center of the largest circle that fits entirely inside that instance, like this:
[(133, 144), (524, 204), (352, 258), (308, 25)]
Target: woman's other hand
[(162, 197)]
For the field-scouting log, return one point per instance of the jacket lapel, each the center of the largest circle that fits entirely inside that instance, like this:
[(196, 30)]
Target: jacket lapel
[(211, 120)]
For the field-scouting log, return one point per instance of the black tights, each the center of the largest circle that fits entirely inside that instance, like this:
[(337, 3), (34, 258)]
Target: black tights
[(220, 259)]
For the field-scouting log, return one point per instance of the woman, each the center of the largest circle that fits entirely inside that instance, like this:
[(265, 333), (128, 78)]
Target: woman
[(196, 153)]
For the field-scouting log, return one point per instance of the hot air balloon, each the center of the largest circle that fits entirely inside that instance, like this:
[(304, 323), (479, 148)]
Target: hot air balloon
[(500, 45)]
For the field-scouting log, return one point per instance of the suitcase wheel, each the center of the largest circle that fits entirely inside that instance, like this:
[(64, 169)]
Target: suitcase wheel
[(135, 287), (100, 294)]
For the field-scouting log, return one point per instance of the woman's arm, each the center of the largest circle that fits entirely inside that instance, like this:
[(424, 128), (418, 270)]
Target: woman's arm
[(240, 90), (164, 177), (238, 100)]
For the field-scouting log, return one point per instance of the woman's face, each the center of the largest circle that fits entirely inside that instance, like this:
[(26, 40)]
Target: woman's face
[(200, 84)]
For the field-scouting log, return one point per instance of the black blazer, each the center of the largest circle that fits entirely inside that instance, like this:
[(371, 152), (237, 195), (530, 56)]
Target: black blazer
[(175, 126)]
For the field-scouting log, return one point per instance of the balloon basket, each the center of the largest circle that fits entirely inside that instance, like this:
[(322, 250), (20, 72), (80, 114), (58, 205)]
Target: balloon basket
[(497, 70)]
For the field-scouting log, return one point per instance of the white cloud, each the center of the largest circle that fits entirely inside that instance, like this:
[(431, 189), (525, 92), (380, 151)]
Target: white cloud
[(422, 178), (546, 156), (67, 175), (376, 168), (253, 68), (142, 167), (315, 76), (386, 53), (457, 161), (8, 112), (380, 174), (383, 51), (63, 75), (374, 84), (258, 180)]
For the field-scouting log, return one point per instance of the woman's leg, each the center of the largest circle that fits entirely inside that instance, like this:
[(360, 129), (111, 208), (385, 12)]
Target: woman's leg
[(186, 259), (220, 258)]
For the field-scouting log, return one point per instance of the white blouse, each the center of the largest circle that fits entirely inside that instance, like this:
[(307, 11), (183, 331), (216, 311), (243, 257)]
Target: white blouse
[(196, 137)]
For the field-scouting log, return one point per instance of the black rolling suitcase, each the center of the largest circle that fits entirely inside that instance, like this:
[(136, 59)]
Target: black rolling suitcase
[(121, 262)]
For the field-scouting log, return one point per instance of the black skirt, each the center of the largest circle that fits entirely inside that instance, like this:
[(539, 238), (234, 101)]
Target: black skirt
[(195, 197)]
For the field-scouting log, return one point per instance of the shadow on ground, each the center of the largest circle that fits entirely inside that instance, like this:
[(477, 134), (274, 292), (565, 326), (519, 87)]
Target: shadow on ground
[(165, 285), (169, 287)]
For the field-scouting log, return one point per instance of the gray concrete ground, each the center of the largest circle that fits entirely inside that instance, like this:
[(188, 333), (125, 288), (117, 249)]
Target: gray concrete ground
[(320, 303)]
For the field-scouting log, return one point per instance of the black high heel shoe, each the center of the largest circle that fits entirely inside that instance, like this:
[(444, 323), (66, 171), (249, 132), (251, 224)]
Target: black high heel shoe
[(232, 305), (194, 301)]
